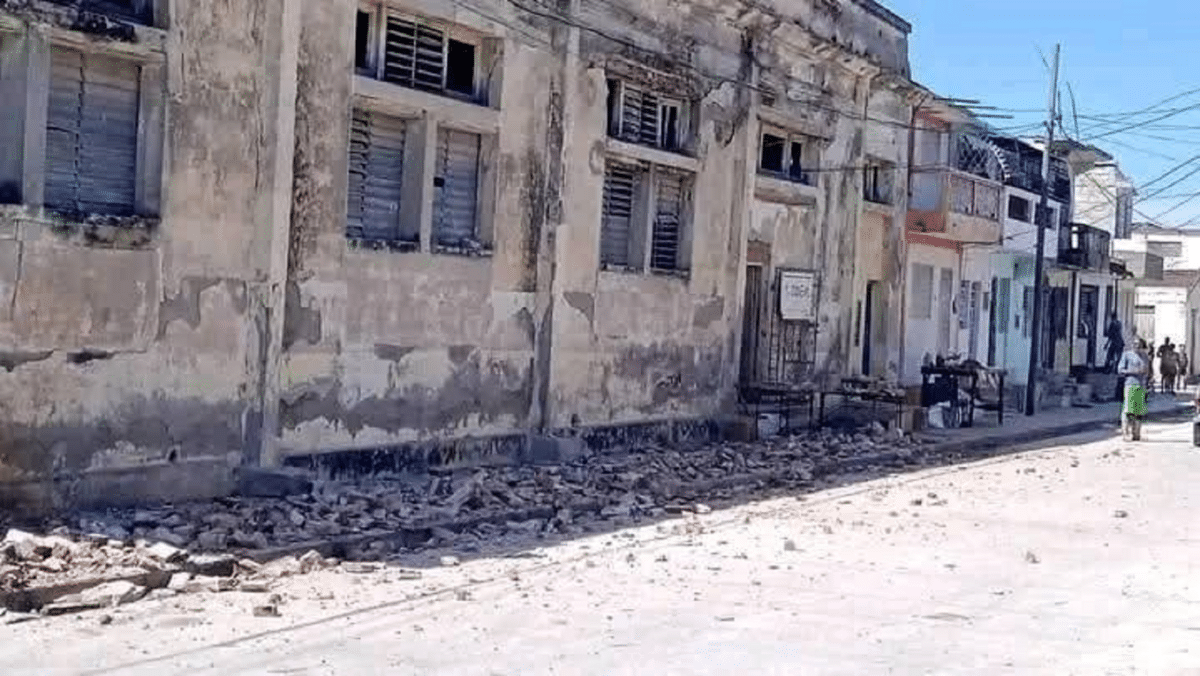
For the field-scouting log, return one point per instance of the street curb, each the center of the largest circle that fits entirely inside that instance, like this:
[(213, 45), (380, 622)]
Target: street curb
[(421, 532)]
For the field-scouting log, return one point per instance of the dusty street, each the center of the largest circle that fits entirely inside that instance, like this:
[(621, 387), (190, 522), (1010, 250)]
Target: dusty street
[(1072, 559)]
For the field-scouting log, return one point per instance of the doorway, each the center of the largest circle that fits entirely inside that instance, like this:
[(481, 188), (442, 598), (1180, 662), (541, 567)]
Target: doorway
[(872, 329), (751, 321), (1089, 307)]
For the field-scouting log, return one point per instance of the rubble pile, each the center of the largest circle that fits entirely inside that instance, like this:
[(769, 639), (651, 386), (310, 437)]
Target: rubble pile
[(464, 508)]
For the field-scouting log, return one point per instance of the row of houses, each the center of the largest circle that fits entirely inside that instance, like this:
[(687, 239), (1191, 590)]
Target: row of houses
[(256, 233)]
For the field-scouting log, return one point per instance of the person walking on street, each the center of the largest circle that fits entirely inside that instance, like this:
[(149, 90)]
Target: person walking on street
[(1133, 368), (1168, 365), (1115, 345)]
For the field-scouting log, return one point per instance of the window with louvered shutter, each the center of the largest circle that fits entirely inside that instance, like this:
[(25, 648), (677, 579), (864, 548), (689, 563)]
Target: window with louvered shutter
[(376, 179), (92, 134), (666, 237), (424, 56), (457, 185), (616, 226), (643, 117)]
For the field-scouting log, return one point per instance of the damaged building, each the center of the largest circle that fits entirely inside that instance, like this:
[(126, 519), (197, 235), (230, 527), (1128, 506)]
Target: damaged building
[(444, 232)]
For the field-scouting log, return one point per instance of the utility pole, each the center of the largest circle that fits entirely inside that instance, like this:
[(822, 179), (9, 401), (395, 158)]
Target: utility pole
[(1039, 263)]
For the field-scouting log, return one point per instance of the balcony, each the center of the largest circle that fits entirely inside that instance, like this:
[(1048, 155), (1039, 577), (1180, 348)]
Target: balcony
[(956, 204), (1084, 248)]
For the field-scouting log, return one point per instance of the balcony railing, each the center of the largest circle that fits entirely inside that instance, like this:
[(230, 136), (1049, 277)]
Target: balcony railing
[(1084, 247)]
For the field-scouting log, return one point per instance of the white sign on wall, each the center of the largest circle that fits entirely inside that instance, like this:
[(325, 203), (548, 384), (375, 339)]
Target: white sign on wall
[(798, 295)]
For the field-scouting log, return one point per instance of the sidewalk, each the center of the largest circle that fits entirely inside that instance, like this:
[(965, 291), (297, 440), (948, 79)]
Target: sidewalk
[(1021, 429)]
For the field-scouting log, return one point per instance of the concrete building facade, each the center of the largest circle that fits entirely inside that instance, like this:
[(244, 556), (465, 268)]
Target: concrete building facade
[(428, 228)]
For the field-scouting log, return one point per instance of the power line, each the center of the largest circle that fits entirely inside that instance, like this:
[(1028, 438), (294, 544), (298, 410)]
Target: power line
[(1144, 123)]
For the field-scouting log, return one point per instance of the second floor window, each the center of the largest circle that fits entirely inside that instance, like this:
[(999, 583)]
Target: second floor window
[(1018, 208), (877, 182), (786, 156), (418, 53), (638, 115)]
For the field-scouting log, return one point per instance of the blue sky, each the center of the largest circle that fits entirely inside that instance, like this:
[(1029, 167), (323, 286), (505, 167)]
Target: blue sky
[(1118, 57)]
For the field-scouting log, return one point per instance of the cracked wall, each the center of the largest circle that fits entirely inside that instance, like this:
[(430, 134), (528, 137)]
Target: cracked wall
[(386, 347), (128, 347)]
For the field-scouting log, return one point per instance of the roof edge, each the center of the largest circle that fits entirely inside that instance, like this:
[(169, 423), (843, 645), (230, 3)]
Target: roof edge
[(886, 14)]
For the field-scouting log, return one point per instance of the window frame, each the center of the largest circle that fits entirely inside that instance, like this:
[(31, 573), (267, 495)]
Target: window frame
[(1028, 211), (33, 64), (615, 109), (872, 173), (808, 155), (643, 219), (375, 67)]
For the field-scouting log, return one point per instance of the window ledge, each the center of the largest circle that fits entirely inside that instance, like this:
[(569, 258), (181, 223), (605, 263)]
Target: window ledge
[(640, 153), (72, 27), (677, 274), (466, 252), (880, 207), (399, 100), (393, 245), (774, 189), (620, 269)]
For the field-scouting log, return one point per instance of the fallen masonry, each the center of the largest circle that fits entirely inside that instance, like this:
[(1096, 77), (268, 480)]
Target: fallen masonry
[(245, 542)]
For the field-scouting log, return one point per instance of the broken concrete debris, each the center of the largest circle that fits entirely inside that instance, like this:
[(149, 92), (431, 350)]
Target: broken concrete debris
[(183, 548)]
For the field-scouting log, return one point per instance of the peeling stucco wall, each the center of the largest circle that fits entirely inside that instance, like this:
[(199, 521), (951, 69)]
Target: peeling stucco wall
[(385, 347), (138, 354), (228, 323)]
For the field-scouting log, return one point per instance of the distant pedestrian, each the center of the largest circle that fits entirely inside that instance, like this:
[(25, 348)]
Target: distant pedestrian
[(1115, 335), (1168, 365), (1133, 368)]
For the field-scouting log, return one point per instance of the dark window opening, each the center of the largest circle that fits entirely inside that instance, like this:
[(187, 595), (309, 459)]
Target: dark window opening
[(10, 192), (460, 67), (796, 167), (613, 97), (670, 127), (1018, 208), (772, 153), (362, 40)]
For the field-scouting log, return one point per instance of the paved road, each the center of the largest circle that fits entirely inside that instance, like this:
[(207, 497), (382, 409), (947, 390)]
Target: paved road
[(1077, 559)]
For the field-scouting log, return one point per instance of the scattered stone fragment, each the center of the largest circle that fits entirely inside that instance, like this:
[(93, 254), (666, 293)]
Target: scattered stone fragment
[(249, 565), (112, 594), (450, 561), (1030, 557), (312, 560), (406, 574), (359, 567), (789, 545), (212, 540), (267, 610), (216, 565), (179, 581), (254, 586), (702, 508), (105, 620), (1121, 514), (72, 603), (286, 566), (166, 553)]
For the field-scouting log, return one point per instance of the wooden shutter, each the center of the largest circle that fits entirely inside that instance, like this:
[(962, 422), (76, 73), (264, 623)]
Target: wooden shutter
[(91, 134), (639, 116), (414, 54), (376, 178), (667, 235), (620, 184), (456, 202)]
